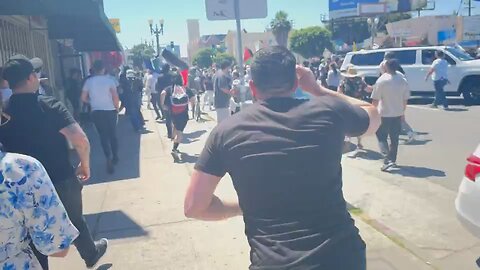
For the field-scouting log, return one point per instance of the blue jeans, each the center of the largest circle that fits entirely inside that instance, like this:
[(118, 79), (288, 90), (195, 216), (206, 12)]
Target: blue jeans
[(440, 98), (133, 110)]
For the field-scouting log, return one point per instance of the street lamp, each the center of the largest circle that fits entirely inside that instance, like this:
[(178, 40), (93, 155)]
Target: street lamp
[(373, 27), (156, 31)]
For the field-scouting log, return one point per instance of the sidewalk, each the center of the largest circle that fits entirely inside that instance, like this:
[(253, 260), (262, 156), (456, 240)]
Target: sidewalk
[(140, 209)]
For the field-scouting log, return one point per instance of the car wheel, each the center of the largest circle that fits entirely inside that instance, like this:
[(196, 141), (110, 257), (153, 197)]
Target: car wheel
[(471, 94)]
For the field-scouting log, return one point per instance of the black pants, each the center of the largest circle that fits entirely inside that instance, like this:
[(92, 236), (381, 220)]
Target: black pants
[(390, 127), (106, 124), (168, 123), (70, 193), (156, 104)]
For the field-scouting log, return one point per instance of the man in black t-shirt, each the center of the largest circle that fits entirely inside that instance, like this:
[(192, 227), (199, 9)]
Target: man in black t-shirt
[(223, 92), (39, 126), (284, 156), (164, 81)]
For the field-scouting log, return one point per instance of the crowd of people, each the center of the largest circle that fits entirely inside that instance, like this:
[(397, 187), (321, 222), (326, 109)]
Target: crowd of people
[(278, 134)]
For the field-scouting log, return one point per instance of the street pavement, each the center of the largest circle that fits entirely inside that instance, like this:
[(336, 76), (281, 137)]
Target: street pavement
[(140, 209)]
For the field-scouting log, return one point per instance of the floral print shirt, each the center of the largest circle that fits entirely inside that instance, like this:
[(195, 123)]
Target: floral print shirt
[(30, 211)]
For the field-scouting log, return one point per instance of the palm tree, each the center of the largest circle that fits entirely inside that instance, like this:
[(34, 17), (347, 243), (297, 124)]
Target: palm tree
[(281, 27)]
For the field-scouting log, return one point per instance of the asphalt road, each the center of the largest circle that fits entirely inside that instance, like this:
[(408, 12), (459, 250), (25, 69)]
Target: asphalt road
[(445, 140)]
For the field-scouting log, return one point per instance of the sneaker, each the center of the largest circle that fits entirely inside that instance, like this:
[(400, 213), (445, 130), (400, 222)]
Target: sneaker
[(101, 246), (446, 108), (175, 156), (158, 118), (411, 137), (360, 146), (387, 166)]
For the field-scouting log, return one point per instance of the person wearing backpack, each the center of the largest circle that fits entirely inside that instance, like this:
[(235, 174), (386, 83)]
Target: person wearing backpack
[(175, 99)]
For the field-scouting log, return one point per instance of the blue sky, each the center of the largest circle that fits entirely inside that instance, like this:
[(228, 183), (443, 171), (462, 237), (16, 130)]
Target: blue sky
[(134, 15)]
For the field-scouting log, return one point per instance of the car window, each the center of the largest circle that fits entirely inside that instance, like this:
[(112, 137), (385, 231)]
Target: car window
[(428, 56), (408, 57), (368, 59)]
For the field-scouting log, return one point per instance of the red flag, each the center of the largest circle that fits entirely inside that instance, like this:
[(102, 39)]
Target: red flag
[(184, 74), (247, 54)]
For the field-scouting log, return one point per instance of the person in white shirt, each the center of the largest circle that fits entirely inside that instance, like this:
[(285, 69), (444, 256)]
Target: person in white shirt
[(150, 86), (333, 77), (390, 95), (439, 73), (101, 92)]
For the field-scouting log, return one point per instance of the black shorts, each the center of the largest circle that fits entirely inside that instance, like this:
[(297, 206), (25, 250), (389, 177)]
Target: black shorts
[(180, 120)]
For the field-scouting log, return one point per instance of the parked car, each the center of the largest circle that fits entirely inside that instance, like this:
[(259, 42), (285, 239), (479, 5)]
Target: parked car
[(464, 71), (468, 198)]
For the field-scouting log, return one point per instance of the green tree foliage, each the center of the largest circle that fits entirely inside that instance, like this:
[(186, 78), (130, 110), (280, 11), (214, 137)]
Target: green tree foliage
[(222, 57), (281, 27), (311, 41), (204, 58), (140, 53)]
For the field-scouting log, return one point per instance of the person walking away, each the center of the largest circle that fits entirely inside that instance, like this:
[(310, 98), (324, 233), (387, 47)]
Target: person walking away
[(154, 95), (223, 92), (235, 99), (164, 81), (333, 77), (5, 90), (209, 94), (26, 177), (101, 92), (354, 86), (390, 95), (132, 87), (284, 157), (74, 91), (39, 126), (176, 99), (439, 73), (406, 128)]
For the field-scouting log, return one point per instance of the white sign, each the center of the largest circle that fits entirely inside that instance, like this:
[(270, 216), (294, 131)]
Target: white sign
[(219, 10), (471, 29)]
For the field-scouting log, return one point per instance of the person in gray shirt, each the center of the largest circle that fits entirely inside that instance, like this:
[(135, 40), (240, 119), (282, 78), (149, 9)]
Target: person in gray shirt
[(223, 92), (390, 95)]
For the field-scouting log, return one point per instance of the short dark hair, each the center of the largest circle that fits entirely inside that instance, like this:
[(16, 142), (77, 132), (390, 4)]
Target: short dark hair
[(17, 71), (177, 80), (392, 65), (225, 64), (274, 70), (440, 54), (389, 55), (98, 66)]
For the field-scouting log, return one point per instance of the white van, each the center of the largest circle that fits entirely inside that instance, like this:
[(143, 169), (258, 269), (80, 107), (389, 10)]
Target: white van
[(464, 71)]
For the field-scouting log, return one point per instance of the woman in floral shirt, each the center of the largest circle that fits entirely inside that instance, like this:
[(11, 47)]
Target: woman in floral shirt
[(30, 212)]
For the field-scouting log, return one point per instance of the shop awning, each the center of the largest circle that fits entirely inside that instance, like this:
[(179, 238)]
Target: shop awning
[(81, 20)]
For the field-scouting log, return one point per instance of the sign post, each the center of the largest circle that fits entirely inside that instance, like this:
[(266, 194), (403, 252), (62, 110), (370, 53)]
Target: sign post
[(237, 10)]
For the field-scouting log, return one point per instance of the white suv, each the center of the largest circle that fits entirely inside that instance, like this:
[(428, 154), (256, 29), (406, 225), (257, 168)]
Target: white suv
[(464, 71)]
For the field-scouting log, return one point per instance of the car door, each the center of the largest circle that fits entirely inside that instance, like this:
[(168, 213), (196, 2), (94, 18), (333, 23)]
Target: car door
[(454, 74), (427, 56)]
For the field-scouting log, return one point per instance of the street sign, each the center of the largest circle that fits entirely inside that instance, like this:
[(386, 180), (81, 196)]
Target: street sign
[(116, 25), (219, 10)]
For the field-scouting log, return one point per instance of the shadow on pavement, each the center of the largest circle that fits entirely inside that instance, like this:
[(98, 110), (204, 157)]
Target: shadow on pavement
[(417, 172), (195, 134), (418, 142), (105, 266), (116, 224), (457, 110), (369, 155), (186, 158), (129, 154)]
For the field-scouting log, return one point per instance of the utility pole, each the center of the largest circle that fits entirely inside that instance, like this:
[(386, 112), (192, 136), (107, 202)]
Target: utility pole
[(469, 7)]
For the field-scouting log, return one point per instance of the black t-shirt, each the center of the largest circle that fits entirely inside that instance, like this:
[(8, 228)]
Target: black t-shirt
[(222, 81), (164, 81), (284, 157), (34, 130)]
